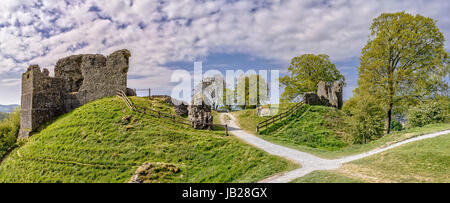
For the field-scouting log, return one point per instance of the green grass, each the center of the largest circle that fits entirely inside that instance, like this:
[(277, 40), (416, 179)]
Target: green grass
[(320, 128), (321, 131), (216, 120), (249, 118), (422, 161), (326, 177), (93, 144), (278, 126)]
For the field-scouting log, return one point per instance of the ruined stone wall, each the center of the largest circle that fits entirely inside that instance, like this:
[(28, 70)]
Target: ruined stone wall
[(200, 107), (328, 94), (78, 80), (42, 99)]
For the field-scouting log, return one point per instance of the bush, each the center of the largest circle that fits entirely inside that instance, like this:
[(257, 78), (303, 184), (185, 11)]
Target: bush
[(3, 116), (425, 113), (349, 105), (366, 120), (9, 129), (396, 126)]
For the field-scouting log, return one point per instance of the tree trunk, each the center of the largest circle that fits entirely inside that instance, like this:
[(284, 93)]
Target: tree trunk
[(390, 99), (389, 118)]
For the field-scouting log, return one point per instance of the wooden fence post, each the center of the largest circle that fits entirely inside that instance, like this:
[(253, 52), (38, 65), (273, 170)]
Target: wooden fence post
[(149, 93), (226, 129)]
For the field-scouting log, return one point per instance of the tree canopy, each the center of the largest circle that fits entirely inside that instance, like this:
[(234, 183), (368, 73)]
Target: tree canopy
[(403, 61), (251, 91), (305, 72)]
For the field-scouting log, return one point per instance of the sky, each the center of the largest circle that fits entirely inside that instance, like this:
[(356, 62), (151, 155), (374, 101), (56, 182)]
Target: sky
[(164, 36)]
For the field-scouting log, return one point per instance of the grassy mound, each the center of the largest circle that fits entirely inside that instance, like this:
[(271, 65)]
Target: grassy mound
[(319, 127), (249, 118), (279, 125), (103, 141)]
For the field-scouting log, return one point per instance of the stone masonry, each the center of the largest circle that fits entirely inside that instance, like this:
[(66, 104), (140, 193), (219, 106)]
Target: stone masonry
[(328, 94), (79, 79), (200, 107)]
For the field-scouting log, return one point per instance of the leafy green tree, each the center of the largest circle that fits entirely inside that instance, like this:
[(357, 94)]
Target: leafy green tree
[(425, 113), (366, 119), (251, 91), (305, 72), (3, 115), (444, 103), (404, 61), (9, 129), (349, 105)]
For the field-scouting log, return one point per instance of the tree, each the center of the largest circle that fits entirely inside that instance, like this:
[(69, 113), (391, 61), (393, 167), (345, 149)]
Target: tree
[(426, 113), (404, 61), (9, 129), (251, 91), (306, 71), (365, 118), (3, 115)]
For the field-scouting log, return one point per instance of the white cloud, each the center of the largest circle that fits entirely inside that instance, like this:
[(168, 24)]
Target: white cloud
[(34, 33)]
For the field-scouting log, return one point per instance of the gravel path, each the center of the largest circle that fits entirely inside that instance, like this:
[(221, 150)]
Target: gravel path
[(308, 161)]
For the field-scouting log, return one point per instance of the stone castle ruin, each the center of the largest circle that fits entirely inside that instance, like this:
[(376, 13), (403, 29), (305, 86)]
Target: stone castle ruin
[(328, 94), (78, 80), (200, 108)]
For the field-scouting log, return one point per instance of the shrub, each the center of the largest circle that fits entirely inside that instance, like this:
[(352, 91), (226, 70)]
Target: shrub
[(396, 125), (349, 105), (425, 113), (9, 129), (366, 120), (3, 116)]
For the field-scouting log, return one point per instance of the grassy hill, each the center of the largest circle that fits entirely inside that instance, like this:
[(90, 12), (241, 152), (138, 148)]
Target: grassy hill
[(421, 161), (249, 118), (321, 131), (316, 127), (99, 142)]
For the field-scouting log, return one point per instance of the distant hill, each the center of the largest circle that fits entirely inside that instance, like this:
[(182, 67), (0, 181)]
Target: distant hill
[(8, 108)]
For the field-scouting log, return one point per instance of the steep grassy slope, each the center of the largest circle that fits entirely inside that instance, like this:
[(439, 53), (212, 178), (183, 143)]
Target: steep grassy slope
[(421, 161), (96, 143), (316, 127), (249, 118)]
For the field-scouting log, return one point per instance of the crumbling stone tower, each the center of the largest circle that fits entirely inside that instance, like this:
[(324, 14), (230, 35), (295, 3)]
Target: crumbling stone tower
[(200, 107), (328, 94), (78, 80)]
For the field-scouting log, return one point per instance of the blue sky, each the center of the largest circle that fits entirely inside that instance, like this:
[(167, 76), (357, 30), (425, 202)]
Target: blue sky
[(167, 35)]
